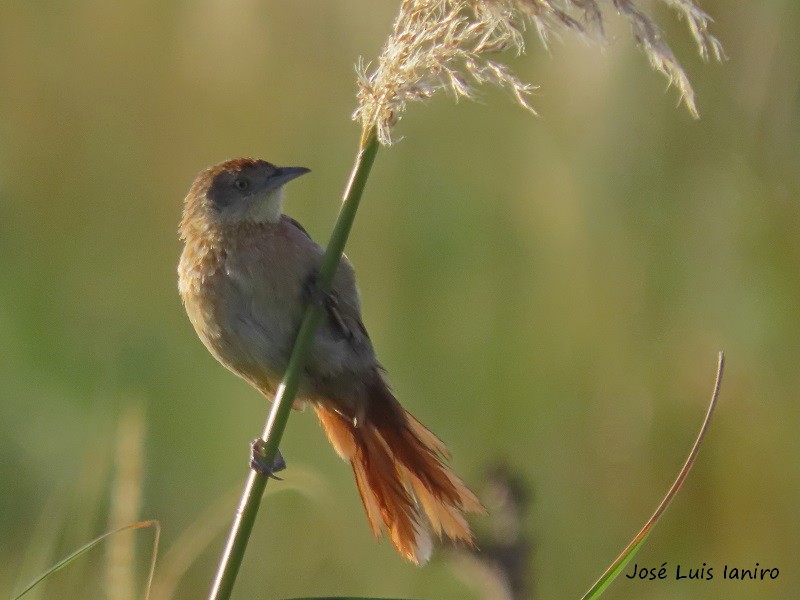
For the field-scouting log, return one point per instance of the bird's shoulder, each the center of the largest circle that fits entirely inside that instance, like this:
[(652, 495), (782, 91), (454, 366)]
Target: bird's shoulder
[(283, 245), (294, 225)]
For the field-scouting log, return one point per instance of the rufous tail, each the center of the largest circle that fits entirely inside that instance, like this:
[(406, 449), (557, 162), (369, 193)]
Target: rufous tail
[(400, 471)]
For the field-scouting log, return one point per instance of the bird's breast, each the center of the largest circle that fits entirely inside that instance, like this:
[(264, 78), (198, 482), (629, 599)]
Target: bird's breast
[(200, 282), (243, 296)]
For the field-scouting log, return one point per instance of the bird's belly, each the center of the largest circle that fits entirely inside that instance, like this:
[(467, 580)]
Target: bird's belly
[(222, 317)]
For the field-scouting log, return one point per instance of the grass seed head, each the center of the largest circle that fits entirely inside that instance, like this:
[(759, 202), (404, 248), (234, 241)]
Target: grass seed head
[(448, 44)]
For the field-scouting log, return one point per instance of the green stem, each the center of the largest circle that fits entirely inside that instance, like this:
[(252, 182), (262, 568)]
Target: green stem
[(281, 407)]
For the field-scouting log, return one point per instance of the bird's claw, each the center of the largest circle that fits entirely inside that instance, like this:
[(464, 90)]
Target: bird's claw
[(258, 464)]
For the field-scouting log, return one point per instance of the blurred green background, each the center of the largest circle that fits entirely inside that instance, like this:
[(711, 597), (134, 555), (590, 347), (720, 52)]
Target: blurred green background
[(549, 294)]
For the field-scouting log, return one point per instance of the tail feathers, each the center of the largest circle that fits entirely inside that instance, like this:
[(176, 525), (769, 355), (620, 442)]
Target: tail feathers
[(402, 479)]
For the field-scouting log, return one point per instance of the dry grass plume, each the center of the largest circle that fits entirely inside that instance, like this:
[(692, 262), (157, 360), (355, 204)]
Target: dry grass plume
[(448, 44)]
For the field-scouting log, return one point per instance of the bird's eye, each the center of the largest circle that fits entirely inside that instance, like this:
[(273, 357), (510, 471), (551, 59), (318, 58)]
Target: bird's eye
[(241, 183)]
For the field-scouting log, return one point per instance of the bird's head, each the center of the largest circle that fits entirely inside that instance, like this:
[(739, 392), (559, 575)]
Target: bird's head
[(237, 191)]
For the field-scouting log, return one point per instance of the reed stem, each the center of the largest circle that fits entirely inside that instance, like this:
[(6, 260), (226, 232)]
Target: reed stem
[(281, 407)]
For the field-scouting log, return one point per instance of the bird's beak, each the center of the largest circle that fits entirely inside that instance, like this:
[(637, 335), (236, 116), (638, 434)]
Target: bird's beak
[(283, 175)]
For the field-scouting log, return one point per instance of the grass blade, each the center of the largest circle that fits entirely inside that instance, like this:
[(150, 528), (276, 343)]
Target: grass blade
[(622, 560), (88, 546)]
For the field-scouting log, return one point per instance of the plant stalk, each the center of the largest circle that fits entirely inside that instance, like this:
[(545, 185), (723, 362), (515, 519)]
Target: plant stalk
[(282, 405)]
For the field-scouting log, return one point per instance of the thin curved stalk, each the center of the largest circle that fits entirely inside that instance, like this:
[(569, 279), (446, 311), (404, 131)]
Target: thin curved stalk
[(622, 560), (279, 414)]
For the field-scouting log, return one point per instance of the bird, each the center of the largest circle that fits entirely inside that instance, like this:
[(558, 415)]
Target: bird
[(246, 274)]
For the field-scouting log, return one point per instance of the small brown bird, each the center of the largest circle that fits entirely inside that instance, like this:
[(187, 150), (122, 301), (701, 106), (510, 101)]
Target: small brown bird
[(245, 275)]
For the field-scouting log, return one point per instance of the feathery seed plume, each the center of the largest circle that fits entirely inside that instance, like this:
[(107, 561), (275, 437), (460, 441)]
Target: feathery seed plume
[(444, 45)]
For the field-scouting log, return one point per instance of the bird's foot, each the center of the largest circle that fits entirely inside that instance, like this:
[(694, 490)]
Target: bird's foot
[(258, 457)]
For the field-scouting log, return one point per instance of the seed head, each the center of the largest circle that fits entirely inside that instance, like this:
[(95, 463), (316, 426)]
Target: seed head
[(447, 44)]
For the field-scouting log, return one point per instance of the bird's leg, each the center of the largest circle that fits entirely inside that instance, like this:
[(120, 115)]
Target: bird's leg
[(327, 300), (257, 460)]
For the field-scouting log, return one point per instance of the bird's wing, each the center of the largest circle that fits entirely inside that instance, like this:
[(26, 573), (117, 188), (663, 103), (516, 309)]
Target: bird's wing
[(342, 345), (343, 307)]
